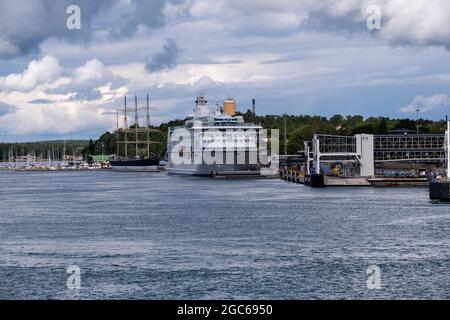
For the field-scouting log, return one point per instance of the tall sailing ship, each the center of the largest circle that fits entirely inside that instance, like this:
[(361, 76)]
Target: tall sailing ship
[(137, 137)]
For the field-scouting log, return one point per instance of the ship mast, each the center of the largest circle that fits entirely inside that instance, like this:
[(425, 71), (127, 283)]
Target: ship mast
[(448, 148), (136, 130), (148, 127), (125, 129), (117, 134), (136, 125)]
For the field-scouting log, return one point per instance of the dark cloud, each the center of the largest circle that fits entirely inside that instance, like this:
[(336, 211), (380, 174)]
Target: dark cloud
[(6, 108), (26, 24), (88, 95), (41, 101), (287, 58), (165, 60), (323, 21), (205, 60)]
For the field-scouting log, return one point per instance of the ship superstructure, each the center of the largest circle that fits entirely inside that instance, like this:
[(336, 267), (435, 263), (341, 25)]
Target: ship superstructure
[(215, 141)]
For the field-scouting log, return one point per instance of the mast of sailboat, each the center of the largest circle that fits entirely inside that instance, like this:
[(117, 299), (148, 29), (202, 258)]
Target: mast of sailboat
[(139, 133), (448, 148), (285, 135), (148, 128), (117, 134), (125, 130), (136, 125), (64, 152)]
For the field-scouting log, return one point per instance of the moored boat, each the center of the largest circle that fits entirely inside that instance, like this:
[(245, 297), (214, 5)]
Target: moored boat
[(215, 142)]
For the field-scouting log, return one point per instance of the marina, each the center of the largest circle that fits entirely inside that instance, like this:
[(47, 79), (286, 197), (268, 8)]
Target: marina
[(53, 166)]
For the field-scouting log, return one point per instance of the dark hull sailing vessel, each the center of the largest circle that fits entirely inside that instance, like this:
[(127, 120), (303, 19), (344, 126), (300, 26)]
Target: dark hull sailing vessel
[(144, 164), (137, 138)]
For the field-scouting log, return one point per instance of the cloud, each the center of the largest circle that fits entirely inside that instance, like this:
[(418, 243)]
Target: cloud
[(52, 99), (6, 108), (41, 101), (24, 25), (165, 60), (43, 71), (283, 59), (86, 80), (57, 119), (47, 82), (7, 48), (404, 22), (426, 104), (418, 23), (91, 74), (309, 56)]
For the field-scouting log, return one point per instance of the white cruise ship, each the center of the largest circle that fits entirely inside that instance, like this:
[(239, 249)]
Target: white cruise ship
[(215, 142)]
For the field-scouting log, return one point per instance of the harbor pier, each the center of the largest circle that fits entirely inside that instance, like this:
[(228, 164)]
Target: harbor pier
[(365, 160), (320, 180)]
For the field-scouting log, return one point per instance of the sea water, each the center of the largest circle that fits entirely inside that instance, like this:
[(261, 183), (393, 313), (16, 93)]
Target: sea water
[(156, 236)]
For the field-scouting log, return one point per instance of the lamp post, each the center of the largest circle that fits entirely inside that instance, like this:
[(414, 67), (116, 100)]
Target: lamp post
[(448, 149), (417, 124), (285, 135)]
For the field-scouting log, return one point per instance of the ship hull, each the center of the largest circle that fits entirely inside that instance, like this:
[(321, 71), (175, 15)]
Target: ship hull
[(214, 170), (147, 164)]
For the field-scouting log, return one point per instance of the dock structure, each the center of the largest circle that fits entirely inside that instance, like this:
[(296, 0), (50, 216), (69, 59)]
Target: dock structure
[(415, 147), (440, 189), (320, 180), (356, 151), (333, 160)]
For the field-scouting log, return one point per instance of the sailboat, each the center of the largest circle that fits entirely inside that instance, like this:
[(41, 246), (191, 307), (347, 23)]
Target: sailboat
[(133, 135)]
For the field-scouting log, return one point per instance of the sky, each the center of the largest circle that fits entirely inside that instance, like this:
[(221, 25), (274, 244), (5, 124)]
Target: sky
[(316, 57)]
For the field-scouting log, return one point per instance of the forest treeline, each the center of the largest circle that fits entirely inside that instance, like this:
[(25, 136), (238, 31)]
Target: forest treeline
[(300, 128)]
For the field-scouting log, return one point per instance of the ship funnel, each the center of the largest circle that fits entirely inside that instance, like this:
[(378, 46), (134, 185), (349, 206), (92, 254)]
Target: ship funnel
[(254, 110), (229, 106)]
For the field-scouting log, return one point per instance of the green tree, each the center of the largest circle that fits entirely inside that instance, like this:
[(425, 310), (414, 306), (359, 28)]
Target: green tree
[(297, 137), (382, 127), (91, 147)]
